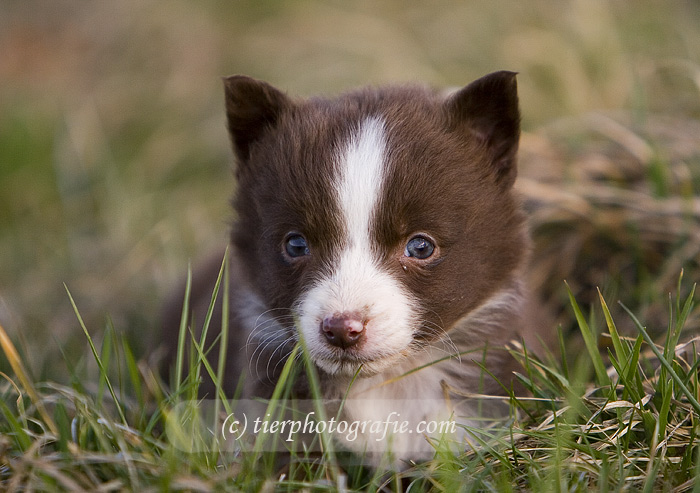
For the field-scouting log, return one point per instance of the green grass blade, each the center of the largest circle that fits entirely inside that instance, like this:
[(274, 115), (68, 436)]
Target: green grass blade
[(687, 308), (678, 291), (676, 329), (688, 394), (105, 357), (315, 388), (631, 378), (665, 408), (182, 334), (696, 486), (223, 342), (134, 375), (283, 383), (208, 317), (589, 339), (103, 371), (562, 352), (19, 433), (201, 360), (621, 351)]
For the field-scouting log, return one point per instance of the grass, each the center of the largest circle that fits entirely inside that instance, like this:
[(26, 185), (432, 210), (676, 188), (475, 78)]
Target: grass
[(114, 173), (633, 428)]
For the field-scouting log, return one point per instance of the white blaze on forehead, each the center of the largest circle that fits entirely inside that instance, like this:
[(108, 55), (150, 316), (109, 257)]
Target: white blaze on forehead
[(361, 178), (357, 282)]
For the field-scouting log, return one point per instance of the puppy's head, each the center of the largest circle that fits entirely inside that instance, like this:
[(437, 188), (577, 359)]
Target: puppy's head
[(380, 218)]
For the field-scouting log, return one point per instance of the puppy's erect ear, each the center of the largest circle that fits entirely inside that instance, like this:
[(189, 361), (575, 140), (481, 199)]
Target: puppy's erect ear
[(487, 109), (252, 106)]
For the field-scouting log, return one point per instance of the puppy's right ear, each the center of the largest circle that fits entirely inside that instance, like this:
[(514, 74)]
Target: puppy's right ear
[(252, 106)]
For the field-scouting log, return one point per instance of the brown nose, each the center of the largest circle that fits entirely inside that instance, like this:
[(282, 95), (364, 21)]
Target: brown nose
[(343, 329)]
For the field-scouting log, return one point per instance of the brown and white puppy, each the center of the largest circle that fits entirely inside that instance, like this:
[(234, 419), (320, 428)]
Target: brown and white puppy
[(382, 228)]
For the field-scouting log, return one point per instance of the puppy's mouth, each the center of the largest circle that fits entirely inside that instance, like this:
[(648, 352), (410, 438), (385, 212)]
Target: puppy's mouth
[(348, 362)]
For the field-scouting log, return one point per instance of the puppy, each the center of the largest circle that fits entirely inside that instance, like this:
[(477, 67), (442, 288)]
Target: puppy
[(381, 229)]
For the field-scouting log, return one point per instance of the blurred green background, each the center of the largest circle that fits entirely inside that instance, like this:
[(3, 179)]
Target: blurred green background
[(115, 162)]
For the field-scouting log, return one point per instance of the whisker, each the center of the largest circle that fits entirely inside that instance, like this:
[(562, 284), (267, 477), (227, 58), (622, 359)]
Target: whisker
[(282, 359), (264, 325), (290, 343), (262, 348)]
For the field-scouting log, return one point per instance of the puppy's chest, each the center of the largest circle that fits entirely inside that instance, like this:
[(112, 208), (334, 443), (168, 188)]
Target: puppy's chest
[(406, 411)]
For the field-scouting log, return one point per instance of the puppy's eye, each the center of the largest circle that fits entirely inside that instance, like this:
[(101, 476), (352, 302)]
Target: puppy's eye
[(295, 245), (419, 247)]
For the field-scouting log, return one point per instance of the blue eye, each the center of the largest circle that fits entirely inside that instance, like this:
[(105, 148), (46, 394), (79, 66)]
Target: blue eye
[(419, 247), (296, 246)]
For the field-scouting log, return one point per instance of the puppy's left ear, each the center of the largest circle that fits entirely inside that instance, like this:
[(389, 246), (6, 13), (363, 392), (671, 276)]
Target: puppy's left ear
[(487, 110)]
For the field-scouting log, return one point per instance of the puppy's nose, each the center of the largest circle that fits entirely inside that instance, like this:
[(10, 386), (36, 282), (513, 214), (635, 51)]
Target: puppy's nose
[(343, 329)]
